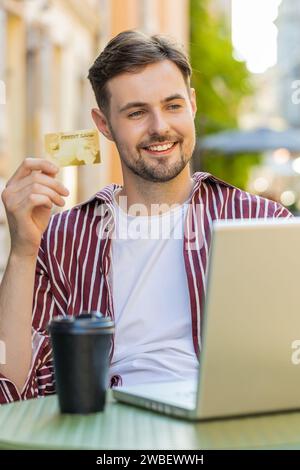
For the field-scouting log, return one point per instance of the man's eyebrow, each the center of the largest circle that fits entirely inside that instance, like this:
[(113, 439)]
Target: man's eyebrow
[(136, 104), (176, 96)]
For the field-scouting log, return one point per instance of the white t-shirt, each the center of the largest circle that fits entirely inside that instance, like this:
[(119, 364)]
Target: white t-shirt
[(153, 334)]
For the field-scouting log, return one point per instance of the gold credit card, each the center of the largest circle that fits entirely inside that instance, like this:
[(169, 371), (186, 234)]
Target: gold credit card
[(73, 148)]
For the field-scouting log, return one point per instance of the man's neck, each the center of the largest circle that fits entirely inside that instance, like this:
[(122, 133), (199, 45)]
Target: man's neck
[(155, 197)]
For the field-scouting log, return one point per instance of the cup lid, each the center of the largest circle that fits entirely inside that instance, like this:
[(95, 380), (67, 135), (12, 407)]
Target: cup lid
[(85, 321)]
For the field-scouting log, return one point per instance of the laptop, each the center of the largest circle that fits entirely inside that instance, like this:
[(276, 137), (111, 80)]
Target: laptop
[(249, 361)]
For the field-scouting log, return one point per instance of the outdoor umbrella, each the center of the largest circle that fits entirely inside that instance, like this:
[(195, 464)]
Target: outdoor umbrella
[(256, 140)]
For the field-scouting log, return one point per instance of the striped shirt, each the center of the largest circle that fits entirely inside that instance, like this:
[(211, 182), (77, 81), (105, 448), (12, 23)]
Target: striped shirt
[(73, 266)]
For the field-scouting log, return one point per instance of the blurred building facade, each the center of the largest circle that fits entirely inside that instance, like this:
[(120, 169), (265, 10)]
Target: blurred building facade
[(288, 24), (277, 106), (47, 47)]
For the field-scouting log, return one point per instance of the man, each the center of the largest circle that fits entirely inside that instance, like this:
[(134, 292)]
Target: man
[(102, 254)]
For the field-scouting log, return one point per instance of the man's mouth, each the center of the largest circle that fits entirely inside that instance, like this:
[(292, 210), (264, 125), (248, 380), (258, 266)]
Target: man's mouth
[(160, 149)]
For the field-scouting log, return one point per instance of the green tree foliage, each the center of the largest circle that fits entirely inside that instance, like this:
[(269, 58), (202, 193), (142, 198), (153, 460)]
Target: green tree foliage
[(220, 82)]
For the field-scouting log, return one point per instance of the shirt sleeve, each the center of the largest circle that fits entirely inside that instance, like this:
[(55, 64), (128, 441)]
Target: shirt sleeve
[(40, 380), (281, 211)]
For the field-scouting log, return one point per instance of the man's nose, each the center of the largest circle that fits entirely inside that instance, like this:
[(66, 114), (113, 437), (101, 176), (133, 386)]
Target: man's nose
[(158, 124)]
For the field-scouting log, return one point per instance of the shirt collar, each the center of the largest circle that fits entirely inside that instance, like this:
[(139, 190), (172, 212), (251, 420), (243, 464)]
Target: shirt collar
[(106, 195)]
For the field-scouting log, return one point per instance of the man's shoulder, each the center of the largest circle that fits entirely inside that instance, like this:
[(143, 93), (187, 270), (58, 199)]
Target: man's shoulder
[(228, 194), (69, 219), (105, 195)]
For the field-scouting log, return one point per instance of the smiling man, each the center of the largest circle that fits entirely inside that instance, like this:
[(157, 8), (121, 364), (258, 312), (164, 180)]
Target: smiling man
[(150, 118), (138, 252)]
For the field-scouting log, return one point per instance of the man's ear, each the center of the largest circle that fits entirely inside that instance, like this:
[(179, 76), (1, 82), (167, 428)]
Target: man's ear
[(102, 123), (193, 101)]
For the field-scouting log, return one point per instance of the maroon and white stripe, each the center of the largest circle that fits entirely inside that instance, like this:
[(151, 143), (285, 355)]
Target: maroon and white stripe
[(72, 271)]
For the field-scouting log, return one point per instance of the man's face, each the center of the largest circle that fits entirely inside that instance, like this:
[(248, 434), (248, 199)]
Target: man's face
[(152, 121)]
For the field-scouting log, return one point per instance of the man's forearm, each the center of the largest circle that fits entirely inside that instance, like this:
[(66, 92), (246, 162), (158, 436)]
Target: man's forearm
[(16, 295)]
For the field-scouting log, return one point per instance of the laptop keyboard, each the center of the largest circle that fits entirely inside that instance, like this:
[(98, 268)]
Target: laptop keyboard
[(180, 396), (188, 395), (176, 393)]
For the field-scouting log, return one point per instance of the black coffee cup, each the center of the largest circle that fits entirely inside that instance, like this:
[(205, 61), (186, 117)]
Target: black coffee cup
[(81, 347)]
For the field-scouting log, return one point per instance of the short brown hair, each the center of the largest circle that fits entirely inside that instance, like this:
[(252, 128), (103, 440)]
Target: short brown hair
[(130, 51)]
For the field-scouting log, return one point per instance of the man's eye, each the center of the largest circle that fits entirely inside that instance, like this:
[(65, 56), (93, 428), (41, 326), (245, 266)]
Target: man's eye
[(175, 106), (135, 114)]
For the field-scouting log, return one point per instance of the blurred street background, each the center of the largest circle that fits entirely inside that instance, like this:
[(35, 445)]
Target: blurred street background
[(246, 71)]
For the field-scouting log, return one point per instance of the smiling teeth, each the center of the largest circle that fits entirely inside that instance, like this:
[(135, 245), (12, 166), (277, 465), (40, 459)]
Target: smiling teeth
[(160, 148)]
